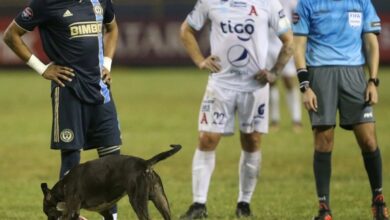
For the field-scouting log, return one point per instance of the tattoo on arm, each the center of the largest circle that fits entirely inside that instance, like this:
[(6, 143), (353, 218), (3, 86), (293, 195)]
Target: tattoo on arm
[(284, 56), (285, 53)]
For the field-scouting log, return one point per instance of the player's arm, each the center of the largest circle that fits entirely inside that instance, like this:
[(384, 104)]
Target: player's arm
[(110, 42), (13, 38), (309, 98), (285, 53), (300, 51), (187, 35), (372, 58)]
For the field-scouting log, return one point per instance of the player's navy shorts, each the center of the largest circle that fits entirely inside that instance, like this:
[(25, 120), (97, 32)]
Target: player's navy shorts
[(77, 125), (340, 88)]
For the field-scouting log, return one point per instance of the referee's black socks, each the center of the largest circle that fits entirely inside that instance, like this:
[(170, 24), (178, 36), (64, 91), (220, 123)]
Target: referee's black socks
[(322, 172), (373, 165)]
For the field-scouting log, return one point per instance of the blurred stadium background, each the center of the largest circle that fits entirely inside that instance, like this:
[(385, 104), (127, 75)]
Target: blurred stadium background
[(149, 31), (158, 106)]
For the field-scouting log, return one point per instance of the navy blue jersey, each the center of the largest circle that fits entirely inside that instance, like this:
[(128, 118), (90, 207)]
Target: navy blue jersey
[(72, 35)]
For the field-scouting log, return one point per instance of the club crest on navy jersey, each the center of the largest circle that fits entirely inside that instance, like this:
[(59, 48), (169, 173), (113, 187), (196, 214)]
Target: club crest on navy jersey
[(98, 10)]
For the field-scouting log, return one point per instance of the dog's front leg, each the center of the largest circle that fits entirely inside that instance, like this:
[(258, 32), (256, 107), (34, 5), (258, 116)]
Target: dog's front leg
[(72, 208)]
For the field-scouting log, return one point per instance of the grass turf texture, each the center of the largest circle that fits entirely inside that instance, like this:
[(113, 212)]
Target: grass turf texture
[(160, 106)]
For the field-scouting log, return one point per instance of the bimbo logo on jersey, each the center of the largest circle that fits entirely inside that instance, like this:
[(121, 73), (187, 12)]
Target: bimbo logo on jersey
[(85, 29), (243, 31)]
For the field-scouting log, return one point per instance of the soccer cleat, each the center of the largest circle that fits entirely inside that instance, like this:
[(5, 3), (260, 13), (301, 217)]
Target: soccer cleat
[(243, 210), (324, 213), (379, 209), (195, 211)]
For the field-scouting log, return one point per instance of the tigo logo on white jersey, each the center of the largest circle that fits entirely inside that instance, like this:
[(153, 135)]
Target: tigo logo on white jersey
[(244, 30)]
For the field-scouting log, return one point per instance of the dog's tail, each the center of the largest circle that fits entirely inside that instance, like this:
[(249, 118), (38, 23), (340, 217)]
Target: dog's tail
[(163, 155)]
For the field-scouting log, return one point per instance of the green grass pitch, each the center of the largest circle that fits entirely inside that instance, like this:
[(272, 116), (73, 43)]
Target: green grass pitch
[(159, 106)]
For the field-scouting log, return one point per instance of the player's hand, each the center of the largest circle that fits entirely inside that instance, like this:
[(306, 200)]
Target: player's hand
[(371, 94), (211, 64), (265, 76), (106, 76), (58, 74), (309, 99)]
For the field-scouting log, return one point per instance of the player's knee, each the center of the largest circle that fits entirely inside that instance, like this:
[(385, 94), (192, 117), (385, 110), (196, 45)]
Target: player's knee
[(368, 144), (208, 141), (324, 144), (324, 139), (250, 142)]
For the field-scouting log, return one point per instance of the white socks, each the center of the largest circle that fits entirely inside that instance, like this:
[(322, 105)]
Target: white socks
[(249, 169), (274, 104), (294, 104), (203, 165)]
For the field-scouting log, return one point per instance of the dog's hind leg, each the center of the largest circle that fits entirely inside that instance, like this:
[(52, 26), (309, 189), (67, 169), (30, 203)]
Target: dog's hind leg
[(139, 200), (159, 199), (140, 206)]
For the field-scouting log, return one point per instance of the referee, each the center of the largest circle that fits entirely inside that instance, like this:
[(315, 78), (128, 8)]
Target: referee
[(334, 39)]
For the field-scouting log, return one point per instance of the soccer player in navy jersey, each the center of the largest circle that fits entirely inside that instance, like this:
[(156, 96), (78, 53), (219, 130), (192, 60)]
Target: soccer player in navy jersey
[(79, 37), (334, 39)]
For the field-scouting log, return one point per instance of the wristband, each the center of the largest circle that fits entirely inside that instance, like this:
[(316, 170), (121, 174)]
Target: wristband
[(303, 75), (36, 64), (107, 61)]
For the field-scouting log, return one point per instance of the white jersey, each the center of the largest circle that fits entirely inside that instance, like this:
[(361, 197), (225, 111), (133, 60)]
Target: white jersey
[(274, 42), (239, 37)]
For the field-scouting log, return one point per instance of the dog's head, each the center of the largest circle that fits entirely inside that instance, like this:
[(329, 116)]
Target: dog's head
[(51, 207)]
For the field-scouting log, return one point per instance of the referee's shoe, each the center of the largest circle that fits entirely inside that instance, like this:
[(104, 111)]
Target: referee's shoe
[(324, 213), (379, 209)]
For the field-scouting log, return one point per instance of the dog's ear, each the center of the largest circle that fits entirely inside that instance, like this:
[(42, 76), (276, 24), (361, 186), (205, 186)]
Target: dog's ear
[(44, 188), (46, 191), (61, 206)]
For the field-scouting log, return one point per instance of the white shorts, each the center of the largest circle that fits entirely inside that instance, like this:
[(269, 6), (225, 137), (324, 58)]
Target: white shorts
[(288, 71), (220, 105)]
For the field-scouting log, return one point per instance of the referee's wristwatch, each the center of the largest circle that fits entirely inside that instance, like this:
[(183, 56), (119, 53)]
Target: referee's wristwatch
[(304, 86), (374, 80)]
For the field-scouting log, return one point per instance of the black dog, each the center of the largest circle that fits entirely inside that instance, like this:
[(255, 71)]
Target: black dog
[(98, 184)]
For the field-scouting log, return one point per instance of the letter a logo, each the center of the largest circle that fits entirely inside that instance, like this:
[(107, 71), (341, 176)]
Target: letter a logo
[(204, 119), (253, 11)]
